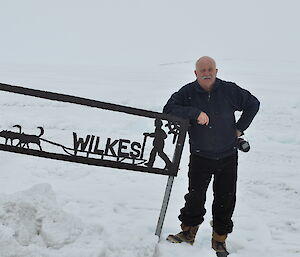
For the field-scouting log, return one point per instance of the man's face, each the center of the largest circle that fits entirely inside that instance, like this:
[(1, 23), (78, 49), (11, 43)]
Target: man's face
[(206, 73)]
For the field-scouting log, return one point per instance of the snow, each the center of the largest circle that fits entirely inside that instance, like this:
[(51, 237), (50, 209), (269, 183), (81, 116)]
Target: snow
[(137, 53)]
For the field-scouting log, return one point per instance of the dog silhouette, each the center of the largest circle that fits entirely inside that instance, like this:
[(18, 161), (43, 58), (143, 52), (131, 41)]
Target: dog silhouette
[(24, 139)]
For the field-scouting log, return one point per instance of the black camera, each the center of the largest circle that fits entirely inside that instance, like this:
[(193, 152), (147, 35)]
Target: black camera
[(243, 145)]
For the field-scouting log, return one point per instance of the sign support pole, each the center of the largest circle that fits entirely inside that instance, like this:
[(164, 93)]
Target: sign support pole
[(177, 154), (164, 206)]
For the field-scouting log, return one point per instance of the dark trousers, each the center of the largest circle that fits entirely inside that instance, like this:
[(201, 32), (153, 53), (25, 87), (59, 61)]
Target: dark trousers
[(200, 173)]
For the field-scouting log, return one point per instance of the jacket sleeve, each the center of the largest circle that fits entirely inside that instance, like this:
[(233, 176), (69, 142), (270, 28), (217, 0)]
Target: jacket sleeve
[(242, 100), (178, 105)]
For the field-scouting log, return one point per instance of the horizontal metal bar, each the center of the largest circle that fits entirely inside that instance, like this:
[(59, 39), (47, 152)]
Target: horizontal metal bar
[(87, 160), (87, 102)]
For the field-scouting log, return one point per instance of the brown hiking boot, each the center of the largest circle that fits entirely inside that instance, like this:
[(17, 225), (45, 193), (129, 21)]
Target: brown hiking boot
[(187, 235), (218, 244)]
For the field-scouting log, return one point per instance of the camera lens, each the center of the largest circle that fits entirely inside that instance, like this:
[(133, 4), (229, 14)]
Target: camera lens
[(243, 145)]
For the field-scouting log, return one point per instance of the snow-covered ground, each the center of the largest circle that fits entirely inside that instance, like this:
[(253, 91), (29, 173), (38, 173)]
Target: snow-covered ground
[(51, 208)]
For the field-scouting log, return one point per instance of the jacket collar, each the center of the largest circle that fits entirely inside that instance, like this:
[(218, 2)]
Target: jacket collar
[(199, 89)]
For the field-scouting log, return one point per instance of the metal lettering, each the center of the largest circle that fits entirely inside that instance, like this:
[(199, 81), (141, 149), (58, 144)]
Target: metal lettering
[(80, 142), (135, 146), (109, 147)]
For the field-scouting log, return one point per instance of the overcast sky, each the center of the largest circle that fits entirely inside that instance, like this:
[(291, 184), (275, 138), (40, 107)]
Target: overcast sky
[(142, 32)]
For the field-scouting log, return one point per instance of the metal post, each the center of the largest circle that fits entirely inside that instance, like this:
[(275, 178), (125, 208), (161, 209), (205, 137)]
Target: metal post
[(164, 206), (176, 160)]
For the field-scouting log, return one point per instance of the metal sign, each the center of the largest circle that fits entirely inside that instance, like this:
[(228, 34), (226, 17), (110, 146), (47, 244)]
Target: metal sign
[(42, 129), (145, 153)]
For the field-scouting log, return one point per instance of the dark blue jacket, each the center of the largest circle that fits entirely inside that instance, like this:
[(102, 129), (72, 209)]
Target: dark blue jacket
[(217, 139)]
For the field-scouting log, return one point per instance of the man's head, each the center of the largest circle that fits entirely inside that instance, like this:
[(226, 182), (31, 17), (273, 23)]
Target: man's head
[(206, 72)]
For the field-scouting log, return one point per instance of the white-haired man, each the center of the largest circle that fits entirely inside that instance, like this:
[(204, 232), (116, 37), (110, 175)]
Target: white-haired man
[(210, 103)]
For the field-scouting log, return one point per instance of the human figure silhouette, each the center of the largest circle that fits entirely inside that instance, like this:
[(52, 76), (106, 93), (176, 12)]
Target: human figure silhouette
[(159, 136)]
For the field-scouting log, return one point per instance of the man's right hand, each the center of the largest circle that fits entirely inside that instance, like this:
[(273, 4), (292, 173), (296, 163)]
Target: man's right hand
[(203, 119)]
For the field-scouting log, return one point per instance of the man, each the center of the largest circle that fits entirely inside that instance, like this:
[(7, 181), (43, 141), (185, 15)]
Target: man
[(209, 103)]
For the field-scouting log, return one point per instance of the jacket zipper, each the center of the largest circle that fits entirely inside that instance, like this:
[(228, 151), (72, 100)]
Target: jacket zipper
[(208, 97)]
